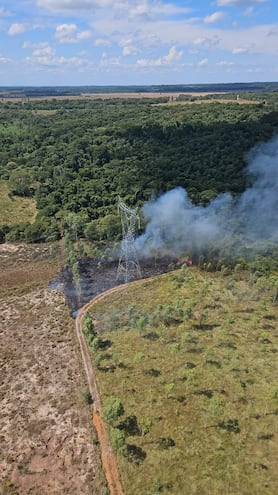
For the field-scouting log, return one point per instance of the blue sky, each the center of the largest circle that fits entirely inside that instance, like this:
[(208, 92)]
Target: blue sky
[(98, 42)]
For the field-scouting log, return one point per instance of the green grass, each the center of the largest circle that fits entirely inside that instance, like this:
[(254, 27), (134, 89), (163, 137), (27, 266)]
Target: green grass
[(15, 210), (192, 356)]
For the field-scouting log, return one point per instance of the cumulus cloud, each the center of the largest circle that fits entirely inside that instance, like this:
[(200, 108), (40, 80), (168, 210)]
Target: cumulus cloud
[(102, 42), (172, 57), (153, 9), (129, 49), (69, 33), (44, 56), (43, 51), (17, 28), (238, 3), (215, 17), (107, 62), (207, 42)]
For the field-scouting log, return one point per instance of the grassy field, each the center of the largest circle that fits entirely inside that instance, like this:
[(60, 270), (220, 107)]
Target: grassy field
[(192, 357), (15, 210)]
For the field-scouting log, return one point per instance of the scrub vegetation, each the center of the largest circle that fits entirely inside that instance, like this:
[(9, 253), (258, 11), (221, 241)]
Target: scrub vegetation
[(185, 366)]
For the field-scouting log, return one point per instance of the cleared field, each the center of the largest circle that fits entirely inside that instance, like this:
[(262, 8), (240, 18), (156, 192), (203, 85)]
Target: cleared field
[(47, 442), (14, 210), (192, 357), (106, 96)]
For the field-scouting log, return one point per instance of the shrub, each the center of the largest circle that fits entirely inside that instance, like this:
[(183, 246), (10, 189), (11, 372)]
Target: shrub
[(87, 397), (118, 440), (113, 409)]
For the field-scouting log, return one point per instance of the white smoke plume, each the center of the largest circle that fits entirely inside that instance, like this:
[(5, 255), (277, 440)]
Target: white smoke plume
[(176, 226)]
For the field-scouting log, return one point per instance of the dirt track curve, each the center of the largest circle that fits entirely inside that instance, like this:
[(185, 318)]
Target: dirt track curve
[(108, 457)]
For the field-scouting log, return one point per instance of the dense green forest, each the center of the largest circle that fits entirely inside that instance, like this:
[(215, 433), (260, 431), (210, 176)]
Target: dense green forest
[(74, 157)]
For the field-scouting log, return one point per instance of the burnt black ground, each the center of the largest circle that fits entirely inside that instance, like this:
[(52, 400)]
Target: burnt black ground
[(97, 276)]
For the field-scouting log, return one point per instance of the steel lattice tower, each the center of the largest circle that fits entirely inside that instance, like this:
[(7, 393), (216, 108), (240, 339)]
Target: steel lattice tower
[(128, 267)]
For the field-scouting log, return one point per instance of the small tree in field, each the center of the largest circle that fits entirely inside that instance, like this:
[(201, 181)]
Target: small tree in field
[(113, 409)]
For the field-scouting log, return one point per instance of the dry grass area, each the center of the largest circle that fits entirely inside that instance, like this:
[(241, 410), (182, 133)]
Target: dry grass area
[(47, 442), (14, 210), (192, 357), (107, 96)]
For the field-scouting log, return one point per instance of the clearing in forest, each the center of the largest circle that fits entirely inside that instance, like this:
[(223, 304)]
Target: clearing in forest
[(14, 209)]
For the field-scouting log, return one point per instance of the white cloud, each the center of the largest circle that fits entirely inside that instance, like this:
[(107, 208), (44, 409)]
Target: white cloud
[(45, 58), (189, 35), (72, 5), (17, 28), (152, 9), (172, 56), (132, 9), (224, 63), (106, 62), (215, 17), (44, 51), (237, 3), (203, 63), (102, 42), (129, 50), (69, 33), (128, 47), (239, 51), (28, 44), (5, 60), (169, 59), (207, 42), (83, 35)]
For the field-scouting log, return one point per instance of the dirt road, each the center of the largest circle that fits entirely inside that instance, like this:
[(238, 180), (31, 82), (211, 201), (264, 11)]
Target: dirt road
[(108, 457)]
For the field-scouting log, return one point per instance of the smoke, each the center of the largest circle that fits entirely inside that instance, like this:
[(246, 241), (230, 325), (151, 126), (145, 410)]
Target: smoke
[(177, 226)]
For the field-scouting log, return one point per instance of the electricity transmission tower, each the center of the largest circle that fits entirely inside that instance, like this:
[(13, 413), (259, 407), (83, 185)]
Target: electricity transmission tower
[(128, 267)]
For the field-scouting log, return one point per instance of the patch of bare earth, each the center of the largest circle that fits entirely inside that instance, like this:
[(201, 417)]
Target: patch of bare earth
[(46, 434)]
